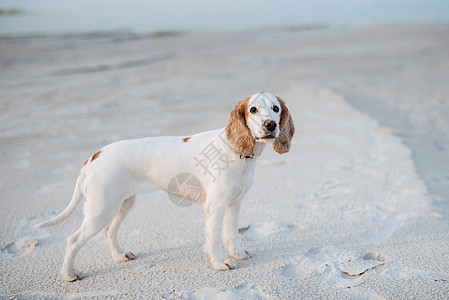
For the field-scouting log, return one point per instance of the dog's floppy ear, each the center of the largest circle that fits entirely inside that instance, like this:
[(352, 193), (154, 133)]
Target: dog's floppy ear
[(286, 130), (237, 132)]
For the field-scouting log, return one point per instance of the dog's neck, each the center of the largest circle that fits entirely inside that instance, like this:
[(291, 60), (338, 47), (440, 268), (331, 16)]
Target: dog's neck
[(258, 149)]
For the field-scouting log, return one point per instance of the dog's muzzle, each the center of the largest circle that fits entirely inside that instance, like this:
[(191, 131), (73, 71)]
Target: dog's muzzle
[(269, 125)]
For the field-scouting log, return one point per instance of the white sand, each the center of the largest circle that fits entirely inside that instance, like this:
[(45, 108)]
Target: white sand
[(343, 215)]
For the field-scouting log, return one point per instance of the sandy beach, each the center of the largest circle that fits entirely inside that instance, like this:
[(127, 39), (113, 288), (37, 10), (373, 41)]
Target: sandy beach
[(358, 209)]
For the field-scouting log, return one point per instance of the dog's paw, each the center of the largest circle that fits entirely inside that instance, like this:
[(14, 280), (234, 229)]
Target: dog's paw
[(72, 276), (240, 254), (124, 257), (130, 256), (223, 266)]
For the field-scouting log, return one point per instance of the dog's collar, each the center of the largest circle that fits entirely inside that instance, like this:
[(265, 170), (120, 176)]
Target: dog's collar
[(247, 156)]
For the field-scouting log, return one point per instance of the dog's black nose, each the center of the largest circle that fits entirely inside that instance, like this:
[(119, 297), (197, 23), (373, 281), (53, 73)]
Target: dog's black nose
[(270, 125)]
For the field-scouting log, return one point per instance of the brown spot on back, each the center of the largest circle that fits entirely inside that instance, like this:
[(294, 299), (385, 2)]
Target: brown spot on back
[(185, 139), (85, 162), (95, 156)]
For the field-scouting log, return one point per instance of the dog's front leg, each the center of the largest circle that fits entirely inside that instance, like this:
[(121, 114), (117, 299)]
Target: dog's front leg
[(214, 227), (230, 232)]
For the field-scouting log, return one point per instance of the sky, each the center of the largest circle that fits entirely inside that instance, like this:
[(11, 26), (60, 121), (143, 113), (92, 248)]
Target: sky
[(62, 16)]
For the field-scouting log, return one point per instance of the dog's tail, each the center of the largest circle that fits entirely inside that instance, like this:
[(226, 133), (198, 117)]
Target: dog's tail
[(68, 211)]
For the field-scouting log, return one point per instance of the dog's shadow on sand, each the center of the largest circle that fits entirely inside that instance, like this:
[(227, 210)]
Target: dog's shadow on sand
[(191, 255), (154, 261)]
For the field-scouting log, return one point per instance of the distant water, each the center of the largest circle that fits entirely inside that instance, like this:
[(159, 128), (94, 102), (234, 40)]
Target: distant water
[(70, 16)]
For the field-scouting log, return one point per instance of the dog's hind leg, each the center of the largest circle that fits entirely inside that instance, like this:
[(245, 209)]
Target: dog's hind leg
[(74, 243), (110, 232), (97, 215)]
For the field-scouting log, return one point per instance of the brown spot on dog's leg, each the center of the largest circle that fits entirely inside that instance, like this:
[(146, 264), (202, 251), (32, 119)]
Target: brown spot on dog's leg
[(95, 156), (185, 139)]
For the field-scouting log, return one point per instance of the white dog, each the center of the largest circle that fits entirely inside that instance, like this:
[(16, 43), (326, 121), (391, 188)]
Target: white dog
[(213, 168)]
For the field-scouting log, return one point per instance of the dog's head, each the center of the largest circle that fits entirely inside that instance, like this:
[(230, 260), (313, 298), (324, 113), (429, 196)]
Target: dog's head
[(262, 118)]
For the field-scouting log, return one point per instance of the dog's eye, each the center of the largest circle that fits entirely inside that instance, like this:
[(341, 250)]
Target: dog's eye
[(253, 110), (275, 109)]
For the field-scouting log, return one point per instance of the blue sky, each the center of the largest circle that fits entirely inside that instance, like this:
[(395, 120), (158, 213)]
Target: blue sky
[(147, 15)]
